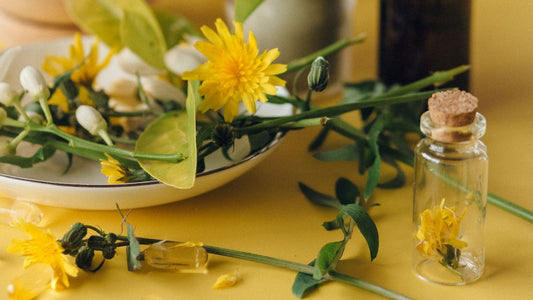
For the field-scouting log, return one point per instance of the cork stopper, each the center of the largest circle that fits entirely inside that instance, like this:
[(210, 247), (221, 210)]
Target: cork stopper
[(452, 109)]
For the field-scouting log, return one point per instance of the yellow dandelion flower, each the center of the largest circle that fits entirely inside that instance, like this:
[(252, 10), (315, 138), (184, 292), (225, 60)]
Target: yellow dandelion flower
[(86, 67), (438, 229), (113, 169), (234, 71), (43, 247)]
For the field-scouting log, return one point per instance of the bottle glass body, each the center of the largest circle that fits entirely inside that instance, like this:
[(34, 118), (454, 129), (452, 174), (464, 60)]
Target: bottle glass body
[(450, 197)]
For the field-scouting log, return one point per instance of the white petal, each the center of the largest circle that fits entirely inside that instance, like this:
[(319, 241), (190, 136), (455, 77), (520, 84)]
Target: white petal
[(183, 58), (162, 90), (133, 64)]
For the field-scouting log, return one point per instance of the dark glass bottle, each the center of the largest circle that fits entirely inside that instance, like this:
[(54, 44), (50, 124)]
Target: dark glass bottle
[(418, 37)]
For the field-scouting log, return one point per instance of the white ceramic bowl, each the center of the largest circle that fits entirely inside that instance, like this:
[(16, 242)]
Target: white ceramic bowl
[(84, 187)]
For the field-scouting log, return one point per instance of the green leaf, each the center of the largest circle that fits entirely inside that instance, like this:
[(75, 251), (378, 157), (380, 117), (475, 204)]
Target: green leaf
[(346, 191), (133, 250), (40, 155), (347, 153), (327, 258), (375, 170), (174, 27), (97, 17), (304, 284), (259, 140), (317, 197), (355, 92), (398, 180), (331, 225), (122, 23), (319, 139), (173, 132), (243, 8), (366, 225), (143, 38)]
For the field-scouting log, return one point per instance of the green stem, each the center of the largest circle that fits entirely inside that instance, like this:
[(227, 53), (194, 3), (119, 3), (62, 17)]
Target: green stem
[(336, 110), (333, 48), (76, 142), (46, 110), (14, 142), (510, 207), (434, 79), (376, 289), (276, 262)]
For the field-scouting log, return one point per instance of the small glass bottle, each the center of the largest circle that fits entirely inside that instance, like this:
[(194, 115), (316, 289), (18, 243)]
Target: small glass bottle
[(450, 191)]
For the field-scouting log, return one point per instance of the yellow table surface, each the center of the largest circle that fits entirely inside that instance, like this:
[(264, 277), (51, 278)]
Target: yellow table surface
[(264, 212)]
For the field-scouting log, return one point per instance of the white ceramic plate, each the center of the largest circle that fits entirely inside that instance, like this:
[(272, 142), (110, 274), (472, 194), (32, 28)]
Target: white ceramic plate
[(84, 187)]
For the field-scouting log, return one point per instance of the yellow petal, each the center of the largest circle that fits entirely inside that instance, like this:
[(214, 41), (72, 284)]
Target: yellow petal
[(226, 281)]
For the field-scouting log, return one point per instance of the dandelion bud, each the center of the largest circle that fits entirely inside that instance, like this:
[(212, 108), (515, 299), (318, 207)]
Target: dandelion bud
[(223, 135), (182, 257), (33, 81), (318, 76), (90, 119), (97, 242), (8, 97), (84, 259), (73, 239), (108, 252)]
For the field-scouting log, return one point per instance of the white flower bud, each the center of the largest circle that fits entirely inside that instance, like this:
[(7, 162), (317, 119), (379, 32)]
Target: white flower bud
[(33, 81), (6, 149), (7, 95), (162, 90), (90, 119), (6, 59), (131, 63), (183, 57)]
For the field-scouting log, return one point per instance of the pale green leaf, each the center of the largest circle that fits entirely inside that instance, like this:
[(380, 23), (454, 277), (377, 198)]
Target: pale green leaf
[(243, 8), (121, 23), (143, 38), (97, 17), (173, 132), (132, 250)]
